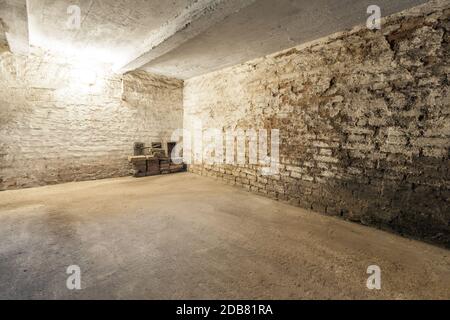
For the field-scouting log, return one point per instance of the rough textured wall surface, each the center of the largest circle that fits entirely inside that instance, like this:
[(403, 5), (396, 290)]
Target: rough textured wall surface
[(364, 119), (62, 122), (3, 41)]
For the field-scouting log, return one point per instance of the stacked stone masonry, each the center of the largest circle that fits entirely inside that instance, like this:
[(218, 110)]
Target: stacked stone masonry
[(364, 119), (62, 122)]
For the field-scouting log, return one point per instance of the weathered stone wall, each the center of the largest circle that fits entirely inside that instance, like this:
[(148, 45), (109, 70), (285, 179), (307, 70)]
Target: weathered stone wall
[(63, 122), (364, 119)]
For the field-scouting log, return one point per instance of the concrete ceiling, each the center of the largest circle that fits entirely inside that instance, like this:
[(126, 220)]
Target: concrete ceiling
[(110, 29), (266, 27), (180, 38)]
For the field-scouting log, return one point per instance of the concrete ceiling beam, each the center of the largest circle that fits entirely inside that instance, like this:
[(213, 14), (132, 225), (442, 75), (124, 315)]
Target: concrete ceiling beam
[(194, 20), (14, 16)]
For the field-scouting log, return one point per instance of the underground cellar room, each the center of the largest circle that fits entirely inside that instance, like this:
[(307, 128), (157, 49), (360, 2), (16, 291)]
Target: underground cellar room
[(224, 150)]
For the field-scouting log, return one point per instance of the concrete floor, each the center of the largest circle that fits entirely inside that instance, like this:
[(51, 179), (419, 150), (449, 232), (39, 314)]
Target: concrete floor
[(188, 237)]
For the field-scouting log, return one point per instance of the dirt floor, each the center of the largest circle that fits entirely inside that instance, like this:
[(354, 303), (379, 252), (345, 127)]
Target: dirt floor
[(187, 237)]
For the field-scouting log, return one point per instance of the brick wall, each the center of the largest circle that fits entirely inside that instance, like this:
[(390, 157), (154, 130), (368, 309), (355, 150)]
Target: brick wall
[(364, 119), (63, 122)]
